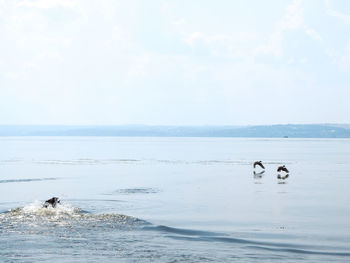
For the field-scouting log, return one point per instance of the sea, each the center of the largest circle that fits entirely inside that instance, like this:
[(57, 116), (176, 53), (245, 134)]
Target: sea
[(174, 199)]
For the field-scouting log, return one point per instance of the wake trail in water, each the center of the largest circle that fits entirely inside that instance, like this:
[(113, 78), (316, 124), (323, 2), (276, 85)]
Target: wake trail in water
[(72, 222), (207, 236), (27, 180)]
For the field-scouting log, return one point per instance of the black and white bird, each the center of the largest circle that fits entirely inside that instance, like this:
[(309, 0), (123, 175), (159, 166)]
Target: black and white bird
[(52, 202), (258, 163), (282, 169)]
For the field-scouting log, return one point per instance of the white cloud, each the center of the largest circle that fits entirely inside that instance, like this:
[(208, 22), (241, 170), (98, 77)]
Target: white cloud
[(11, 75), (46, 4), (344, 17), (294, 16), (344, 61), (313, 34), (292, 20), (55, 41), (340, 57), (114, 72), (23, 18), (331, 53), (31, 66), (140, 65), (224, 44), (179, 22), (235, 46), (303, 60), (190, 39), (54, 55)]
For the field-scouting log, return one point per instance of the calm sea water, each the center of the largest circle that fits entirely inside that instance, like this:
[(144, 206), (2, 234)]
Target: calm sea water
[(174, 200)]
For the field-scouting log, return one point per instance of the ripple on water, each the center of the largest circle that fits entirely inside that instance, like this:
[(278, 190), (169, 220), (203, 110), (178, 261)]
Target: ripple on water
[(38, 233), (139, 190), (27, 180), (86, 161)]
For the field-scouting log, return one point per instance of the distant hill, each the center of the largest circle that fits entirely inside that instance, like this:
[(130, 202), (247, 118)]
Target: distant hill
[(267, 131)]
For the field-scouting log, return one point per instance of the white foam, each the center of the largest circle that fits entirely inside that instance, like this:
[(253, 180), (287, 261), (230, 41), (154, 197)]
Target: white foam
[(36, 209)]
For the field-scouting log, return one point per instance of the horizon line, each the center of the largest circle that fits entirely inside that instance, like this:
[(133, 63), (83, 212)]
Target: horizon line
[(177, 125)]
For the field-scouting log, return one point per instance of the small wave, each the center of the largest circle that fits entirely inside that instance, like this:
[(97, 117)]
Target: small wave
[(216, 162), (207, 236), (9, 161), (182, 231), (95, 200), (86, 161), (89, 161), (205, 162), (69, 162), (302, 251), (140, 190), (26, 180), (230, 162)]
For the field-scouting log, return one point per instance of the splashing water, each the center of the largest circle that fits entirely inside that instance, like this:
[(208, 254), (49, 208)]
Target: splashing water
[(35, 216)]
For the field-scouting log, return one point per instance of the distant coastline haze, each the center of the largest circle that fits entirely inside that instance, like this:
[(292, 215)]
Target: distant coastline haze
[(268, 131)]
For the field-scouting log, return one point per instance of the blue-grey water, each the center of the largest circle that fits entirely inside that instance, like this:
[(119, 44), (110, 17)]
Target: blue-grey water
[(132, 199)]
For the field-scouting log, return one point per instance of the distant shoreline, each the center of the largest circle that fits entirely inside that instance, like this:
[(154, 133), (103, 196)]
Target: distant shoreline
[(254, 131)]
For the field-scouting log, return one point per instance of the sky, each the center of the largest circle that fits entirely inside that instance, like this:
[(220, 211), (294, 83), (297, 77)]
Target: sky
[(174, 62)]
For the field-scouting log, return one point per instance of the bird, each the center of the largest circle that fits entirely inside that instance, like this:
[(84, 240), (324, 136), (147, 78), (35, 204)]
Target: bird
[(258, 163), (282, 169), (52, 202)]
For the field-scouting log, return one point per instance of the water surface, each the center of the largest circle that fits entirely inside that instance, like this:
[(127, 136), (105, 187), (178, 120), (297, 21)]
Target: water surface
[(174, 200)]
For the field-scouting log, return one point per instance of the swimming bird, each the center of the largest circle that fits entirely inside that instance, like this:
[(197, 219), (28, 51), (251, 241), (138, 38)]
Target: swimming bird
[(258, 163), (52, 202), (282, 169)]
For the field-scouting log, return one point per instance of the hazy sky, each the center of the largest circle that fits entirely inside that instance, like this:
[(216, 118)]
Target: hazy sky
[(174, 62)]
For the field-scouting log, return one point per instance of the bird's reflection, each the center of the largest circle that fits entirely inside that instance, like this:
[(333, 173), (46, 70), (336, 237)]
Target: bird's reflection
[(282, 179), (258, 175)]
